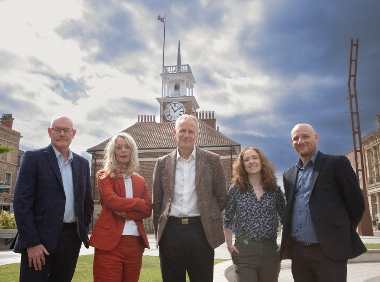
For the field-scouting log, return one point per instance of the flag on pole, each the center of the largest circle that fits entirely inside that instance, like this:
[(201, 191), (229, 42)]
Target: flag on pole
[(161, 19)]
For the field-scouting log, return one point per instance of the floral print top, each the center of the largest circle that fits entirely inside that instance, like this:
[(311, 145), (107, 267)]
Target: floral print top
[(254, 219)]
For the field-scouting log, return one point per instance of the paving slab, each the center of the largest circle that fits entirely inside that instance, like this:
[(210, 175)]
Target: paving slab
[(356, 272)]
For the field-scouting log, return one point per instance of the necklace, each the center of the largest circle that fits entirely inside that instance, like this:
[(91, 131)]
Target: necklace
[(125, 176), (123, 172), (253, 188)]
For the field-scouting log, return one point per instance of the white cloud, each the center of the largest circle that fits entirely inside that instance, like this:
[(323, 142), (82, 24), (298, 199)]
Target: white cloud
[(261, 66)]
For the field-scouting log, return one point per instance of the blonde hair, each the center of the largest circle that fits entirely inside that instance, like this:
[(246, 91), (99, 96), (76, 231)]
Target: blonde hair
[(110, 164)]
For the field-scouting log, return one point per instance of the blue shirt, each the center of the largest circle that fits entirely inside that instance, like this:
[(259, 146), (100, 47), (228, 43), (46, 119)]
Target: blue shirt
[(67, 180), (302, 228)]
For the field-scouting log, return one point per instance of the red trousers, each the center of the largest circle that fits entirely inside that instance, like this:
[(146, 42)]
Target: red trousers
[(123, 263)]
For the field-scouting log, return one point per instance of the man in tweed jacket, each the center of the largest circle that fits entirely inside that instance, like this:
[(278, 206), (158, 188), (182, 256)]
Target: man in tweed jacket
[(189, 194)]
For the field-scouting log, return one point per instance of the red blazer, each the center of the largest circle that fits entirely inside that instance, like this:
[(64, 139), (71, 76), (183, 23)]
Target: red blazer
[(109, 226)]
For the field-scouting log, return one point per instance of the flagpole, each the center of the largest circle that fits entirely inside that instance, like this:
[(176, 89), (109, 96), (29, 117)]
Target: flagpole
[(163, 58)]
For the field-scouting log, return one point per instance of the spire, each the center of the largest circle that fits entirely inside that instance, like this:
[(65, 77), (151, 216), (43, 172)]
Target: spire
[(179, 53)]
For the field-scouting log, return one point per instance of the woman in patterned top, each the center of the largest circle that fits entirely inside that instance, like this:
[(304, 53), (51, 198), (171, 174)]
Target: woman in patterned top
[(255, 204)]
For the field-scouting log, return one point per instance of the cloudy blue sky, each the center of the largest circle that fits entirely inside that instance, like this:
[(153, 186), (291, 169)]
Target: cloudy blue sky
[(262, 66)]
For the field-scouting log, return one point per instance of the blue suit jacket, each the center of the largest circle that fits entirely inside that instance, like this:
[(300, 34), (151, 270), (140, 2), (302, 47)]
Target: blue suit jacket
[(39, 199), (336, 206)]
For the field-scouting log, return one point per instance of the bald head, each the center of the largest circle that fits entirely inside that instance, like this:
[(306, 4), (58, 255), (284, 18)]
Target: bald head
[(303, 126), (304, 141)]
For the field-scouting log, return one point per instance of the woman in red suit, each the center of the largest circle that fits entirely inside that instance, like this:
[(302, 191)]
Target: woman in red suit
[(119, 236)]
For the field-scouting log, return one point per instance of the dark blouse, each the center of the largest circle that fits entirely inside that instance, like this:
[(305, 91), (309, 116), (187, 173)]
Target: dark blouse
[(255, 219)]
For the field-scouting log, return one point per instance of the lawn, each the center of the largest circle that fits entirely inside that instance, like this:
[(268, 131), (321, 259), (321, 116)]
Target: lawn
[(372, 246), (150, 271)]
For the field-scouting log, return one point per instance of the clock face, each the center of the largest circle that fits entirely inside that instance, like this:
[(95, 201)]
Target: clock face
[(174, 110)]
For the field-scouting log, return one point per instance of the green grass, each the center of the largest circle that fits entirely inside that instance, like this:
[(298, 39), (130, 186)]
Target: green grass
[(150, 271), (372, 246)]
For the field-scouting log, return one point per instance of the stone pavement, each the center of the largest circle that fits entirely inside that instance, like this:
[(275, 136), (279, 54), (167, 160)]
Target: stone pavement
[(357, 272)]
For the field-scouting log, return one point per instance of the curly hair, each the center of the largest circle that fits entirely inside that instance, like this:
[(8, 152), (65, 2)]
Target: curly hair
[(240, 175), (110, 164)]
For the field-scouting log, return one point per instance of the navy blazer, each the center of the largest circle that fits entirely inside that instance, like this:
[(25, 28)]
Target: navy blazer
[(336, 206), (39, 199)]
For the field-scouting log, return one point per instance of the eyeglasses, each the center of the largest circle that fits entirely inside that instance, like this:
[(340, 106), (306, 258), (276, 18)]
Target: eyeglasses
[(58, 130)]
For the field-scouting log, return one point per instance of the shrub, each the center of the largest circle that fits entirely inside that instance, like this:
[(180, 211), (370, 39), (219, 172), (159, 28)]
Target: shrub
[(7, 220)]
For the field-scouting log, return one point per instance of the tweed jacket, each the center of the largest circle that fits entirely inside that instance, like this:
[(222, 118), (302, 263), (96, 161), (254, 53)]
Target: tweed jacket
[(39, 199), (211, 189), (109, 226), (336, 206)]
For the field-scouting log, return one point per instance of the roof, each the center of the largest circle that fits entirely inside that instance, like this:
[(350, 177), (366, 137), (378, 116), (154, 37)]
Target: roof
[(152, 135), (374, 133)]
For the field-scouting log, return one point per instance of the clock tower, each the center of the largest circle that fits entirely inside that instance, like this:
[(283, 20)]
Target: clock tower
[(155, 139), (177, 91)]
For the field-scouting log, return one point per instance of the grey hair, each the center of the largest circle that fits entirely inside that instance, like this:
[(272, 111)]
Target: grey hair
[(110, 164), (187, 117), (59, 117)]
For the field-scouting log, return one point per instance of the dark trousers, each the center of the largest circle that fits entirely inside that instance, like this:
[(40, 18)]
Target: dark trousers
[(184, 247), (257, 261), (310, 263), (59, 265)]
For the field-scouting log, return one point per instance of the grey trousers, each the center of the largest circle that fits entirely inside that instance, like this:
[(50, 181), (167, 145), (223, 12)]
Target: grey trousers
[(257, 261)]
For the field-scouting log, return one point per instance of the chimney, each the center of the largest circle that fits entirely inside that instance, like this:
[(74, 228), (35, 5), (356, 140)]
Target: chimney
[(7, 120), (146, 118), (378, 121), (207, 117)]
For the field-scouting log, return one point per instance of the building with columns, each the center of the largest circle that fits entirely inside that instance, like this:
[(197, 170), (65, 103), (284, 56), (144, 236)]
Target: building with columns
[(156, 138), (371, 150)]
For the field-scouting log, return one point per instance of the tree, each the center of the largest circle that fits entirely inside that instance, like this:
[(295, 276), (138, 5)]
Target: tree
[(5, 149)]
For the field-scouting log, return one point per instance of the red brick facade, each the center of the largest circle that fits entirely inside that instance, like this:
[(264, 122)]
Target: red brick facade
[(155, 140)]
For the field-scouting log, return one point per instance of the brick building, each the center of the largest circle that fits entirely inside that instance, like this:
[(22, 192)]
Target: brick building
[(371, 149), (9, 162), (156, 139)]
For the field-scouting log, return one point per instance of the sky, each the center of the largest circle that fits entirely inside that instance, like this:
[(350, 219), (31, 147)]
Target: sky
[(261, 66)]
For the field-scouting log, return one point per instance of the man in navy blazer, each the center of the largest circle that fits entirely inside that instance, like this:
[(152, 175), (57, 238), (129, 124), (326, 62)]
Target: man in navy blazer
[(324, 207), (53, 207)]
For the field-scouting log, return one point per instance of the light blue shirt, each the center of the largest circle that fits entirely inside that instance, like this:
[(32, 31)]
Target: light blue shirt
[(302, 226), (67, 180)]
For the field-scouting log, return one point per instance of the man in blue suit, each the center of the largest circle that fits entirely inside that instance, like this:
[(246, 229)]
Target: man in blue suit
[(324, 207), (53, 207)]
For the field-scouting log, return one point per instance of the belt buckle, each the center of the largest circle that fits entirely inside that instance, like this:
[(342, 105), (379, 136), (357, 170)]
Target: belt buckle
[(304, 244), (184, 220)]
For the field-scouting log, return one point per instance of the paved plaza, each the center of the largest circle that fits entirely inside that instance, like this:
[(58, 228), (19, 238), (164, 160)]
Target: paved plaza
[(357, 272)]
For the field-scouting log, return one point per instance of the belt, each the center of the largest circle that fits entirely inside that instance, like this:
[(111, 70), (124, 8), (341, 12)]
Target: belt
[(71, 226), (184, 220), (303, 244), (242, 240)]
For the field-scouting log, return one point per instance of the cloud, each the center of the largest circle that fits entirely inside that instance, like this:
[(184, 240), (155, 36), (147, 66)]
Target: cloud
[(261, 66)]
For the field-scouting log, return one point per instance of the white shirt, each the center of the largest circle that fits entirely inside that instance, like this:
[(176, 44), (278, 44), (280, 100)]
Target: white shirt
[(185, 200), (130, 227)]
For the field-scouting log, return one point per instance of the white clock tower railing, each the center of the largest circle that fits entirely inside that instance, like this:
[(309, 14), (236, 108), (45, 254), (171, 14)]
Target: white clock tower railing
[(177, 89), (177, 69)]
